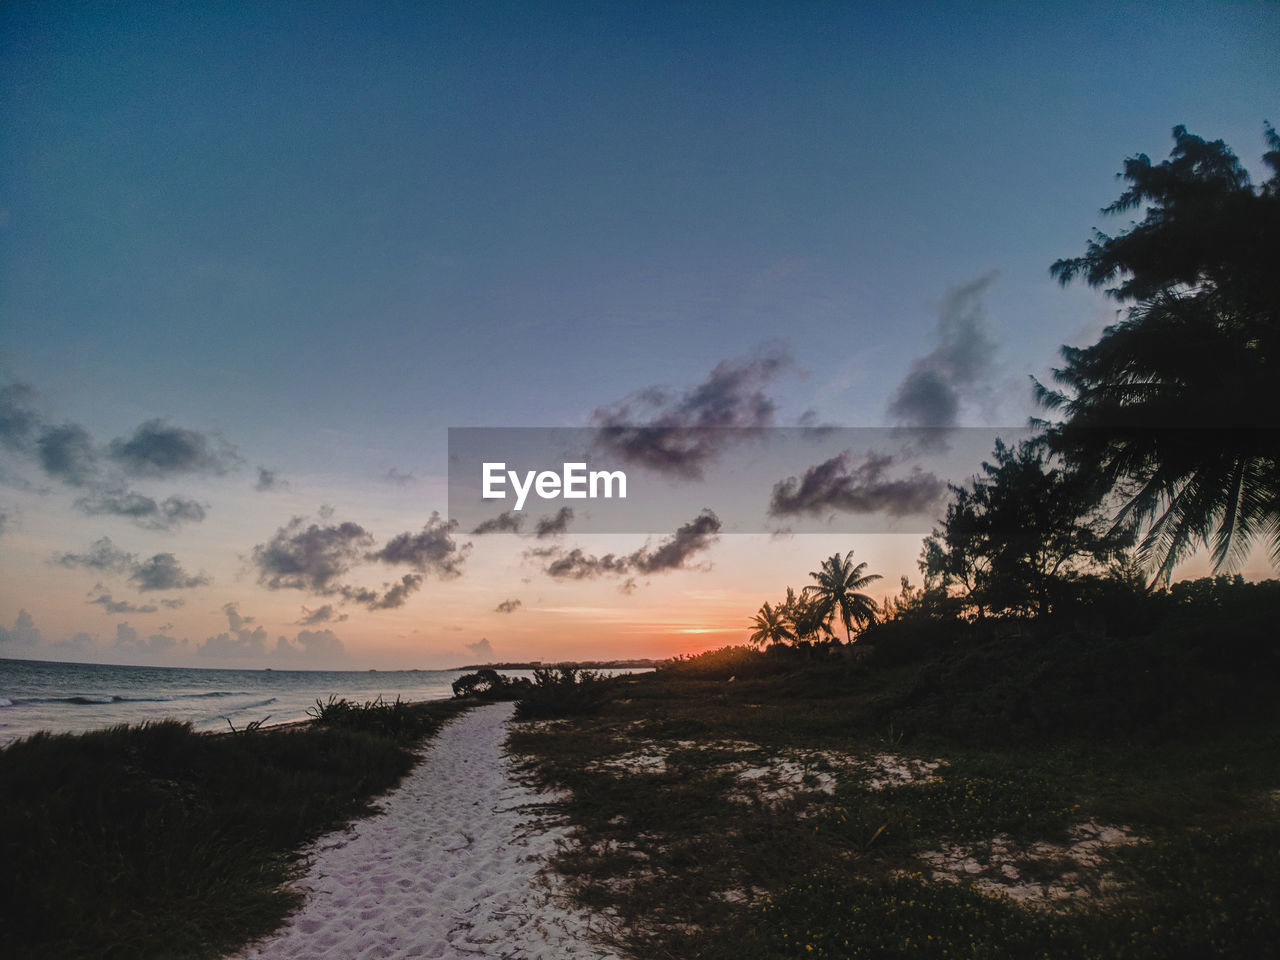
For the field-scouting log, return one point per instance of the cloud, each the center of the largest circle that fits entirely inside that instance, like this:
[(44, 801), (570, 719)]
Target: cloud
[(22, 635), (839, 485), (164, 572), (103, 555), (507, 606), (157, 645), (555, 525), (120, 606), (159, 450), (325, 614), (238, 642), (670, 554), (681, 434), (160, 572), (399, 479), (931, 392), (144, 511), (67, 453), (313, 646), (312, 558), (18, 418), (396, 595), (6, 520), (482, 650), (432, 550), (269, 480), (505, 522)]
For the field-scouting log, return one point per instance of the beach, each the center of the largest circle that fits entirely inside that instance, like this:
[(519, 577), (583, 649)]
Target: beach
[(455, 865)]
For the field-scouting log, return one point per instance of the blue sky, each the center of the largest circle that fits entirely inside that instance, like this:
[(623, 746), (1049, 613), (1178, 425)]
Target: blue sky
[(327, 232)]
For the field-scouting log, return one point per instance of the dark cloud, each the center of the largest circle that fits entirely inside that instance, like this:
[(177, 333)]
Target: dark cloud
[(269, 480), (431, 550), (399, 479), (161, 572), (681, 434), (310, 557), (507, 606), (144, 511), (505, 522), (670, 553), (23, 634), (555, 525), (395, 595), (164, 572), (67, 453), (931, 392), (6, 520), (103, 555), (325, 614), (18, 418), (121, 606), (159, 450), (173, 604), (841, 486)]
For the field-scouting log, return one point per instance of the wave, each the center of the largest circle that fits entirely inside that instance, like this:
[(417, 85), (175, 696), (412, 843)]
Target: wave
[(248, 706)]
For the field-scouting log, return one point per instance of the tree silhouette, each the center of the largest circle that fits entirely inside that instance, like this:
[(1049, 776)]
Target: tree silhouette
[(1175, 404), (1019, 530), (835, 593), (771, 626)]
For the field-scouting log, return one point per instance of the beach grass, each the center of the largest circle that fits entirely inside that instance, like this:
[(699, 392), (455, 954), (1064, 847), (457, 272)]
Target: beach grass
[(685, 841), (157, 841)]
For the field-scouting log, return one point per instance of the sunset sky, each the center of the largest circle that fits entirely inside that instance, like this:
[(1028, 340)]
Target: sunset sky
[(257, 259)]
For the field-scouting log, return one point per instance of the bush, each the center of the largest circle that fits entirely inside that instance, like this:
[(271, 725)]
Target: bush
[(563, 692), (488, 684), (399, 721)]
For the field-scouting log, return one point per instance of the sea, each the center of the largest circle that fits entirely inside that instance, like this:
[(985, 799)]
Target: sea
[(75, 697)]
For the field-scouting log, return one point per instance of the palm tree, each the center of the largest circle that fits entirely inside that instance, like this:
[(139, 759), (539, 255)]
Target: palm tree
[(771, 626), (836, 592)]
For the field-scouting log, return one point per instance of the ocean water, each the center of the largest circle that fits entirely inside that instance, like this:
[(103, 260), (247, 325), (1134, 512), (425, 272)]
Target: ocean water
[(74, 697)]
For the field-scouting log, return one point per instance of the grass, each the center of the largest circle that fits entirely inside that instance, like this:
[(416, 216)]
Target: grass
[(1036, 738), (156, 841)]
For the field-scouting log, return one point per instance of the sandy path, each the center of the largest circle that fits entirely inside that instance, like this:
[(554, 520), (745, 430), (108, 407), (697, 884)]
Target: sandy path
[(448, 869)]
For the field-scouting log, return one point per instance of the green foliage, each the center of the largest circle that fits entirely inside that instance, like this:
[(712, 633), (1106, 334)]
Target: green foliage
[(488, 684), (563, 692), (1176, 403), (156, 841), (399, 721), (838, 917), (835, 593), (1016, 534), (771, 626)]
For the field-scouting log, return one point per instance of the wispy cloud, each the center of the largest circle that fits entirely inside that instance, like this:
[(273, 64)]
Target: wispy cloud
[(842, 485), (671, 553), (681, 433), (931, 392)]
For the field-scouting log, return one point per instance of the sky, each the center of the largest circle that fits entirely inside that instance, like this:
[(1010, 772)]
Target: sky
[(256, 260)]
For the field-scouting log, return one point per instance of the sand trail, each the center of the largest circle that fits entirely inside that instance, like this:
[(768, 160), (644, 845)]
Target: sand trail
[(450, 868)]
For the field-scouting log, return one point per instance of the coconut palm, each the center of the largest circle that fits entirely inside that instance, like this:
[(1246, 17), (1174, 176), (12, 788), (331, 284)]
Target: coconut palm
[(836, 592), (804, 615), (771, 626)]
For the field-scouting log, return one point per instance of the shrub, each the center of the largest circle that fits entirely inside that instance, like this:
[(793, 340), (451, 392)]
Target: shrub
[(400, 721), (488, 684), (562, 692)]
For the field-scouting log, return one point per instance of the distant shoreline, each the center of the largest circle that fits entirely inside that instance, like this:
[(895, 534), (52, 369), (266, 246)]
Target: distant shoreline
[(579, 664)]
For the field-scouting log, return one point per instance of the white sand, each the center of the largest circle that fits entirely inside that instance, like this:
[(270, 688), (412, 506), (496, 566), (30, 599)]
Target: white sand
[(453, 867)]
